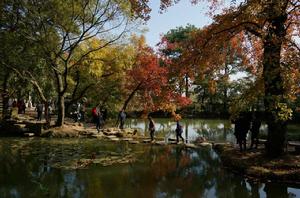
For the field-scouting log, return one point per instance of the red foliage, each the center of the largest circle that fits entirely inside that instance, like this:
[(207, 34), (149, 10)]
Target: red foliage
[(150, 80)]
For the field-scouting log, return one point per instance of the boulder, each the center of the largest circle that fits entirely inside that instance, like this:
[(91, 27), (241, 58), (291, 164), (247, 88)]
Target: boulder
[(191, 146), (127, 139), (160, 143), (134, 142), (28, 134), (205, 144), (97, 136), (147, 141)]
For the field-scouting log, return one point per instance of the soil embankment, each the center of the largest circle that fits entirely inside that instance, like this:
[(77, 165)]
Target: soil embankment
[(255, 165)]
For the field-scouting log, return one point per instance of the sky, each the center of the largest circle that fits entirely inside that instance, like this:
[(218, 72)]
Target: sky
[(180, 14)]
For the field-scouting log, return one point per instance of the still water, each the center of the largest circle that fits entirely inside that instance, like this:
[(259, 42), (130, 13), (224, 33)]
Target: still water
[(214, 130), (53, 168)]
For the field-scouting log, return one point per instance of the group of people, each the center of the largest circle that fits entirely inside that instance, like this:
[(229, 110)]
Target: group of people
[(99, 118), (178, 130), (245, 122), (78, 112)]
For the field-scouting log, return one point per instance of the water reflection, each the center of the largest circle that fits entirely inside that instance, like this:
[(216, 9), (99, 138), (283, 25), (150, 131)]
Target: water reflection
[(27, 170), (215, 130)]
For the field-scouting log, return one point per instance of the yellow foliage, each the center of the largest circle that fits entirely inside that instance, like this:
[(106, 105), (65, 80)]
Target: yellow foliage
[(282, 112)]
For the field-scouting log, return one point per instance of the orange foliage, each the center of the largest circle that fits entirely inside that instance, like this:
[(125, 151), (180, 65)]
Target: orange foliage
[(151, 83)]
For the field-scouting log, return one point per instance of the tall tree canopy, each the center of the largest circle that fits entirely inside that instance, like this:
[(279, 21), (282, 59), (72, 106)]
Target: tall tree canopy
[(52, 32), (265, 31)]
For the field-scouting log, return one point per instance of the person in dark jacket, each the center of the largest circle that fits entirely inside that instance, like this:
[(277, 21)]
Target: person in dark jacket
[(96, 119), (121, 118), (179, 132), (39, 109), (242, 125), (151, 127)]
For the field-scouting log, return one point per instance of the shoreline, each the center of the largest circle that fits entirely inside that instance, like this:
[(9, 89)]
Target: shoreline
[(256, 166)]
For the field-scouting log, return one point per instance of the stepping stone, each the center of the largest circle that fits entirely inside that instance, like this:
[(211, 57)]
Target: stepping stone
[(28, 134), (160, 143), (191, 146), (115, 139), (111, 136), (134, 142), (146, 141), (20, 125), (205, 144), (97, 136), (127, 139)]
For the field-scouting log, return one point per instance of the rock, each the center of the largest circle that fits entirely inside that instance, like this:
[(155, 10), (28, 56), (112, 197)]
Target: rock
[(128, 131), (20, 125), (116, 133), (48, 133), (28, 134), (119, 134), (127, 139), (204, 144), (160, 143), (115, 139), (146, 141), (200, 140), (220, 146), (171, 139), (97, 136), (134, 142), (191, 146), (111, 136)]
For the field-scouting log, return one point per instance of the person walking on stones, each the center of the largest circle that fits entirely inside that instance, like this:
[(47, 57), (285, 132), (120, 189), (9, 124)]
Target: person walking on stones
[(179, 132), (151, 128), (121, 118), (100, 120), (256, 122), (104, 114), (242, 125), (39, 109), (95, 116)]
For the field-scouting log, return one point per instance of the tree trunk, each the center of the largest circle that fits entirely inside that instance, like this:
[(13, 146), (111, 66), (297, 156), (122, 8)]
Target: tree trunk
[(5, 96), (60, 110), (187, 94), (47, 113), (131, 95), (61, 89), (273, 82), (225, 90)]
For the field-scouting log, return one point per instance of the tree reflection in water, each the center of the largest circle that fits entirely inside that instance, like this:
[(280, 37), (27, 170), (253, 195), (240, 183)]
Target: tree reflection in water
[(171, 171), (215, 130)]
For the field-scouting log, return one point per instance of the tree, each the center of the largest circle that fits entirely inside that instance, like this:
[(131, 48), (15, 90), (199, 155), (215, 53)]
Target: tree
[(145, 77), (59, 28), (20, 57), (171, 49), (148, 81), (272, 22), (101, 74)]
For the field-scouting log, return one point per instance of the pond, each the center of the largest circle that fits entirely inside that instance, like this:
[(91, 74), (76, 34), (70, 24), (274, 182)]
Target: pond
[(214, 130), (39, 167)]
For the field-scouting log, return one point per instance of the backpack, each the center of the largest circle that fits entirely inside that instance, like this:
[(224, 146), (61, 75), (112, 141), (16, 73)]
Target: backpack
[(94, 112)]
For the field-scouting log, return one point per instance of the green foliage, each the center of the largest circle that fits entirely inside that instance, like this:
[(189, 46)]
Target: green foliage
[(282, 112)]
